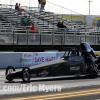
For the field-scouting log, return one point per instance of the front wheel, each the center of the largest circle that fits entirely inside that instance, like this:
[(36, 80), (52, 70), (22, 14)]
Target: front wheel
[(26, 74)]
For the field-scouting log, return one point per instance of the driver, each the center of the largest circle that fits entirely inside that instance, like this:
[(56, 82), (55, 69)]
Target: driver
[(73, 53)]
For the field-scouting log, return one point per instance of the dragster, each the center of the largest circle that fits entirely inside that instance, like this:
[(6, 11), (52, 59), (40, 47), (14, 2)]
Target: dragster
[(73, 62)]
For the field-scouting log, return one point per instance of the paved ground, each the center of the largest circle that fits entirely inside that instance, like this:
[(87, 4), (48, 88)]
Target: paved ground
[(84, 88)]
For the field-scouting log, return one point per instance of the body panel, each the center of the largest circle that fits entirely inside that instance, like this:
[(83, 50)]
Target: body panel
[(62, 66)]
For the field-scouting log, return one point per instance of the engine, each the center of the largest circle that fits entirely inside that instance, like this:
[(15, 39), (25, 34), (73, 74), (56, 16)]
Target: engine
[(89, 56)]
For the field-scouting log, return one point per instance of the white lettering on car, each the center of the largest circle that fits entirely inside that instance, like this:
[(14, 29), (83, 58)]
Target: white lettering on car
[(44, 73), (77, 68), (33, 75)]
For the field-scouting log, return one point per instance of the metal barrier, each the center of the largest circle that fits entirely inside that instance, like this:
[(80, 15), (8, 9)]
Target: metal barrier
[(26, 37)]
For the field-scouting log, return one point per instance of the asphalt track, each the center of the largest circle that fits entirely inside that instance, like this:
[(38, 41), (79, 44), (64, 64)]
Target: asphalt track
[(73, 88)]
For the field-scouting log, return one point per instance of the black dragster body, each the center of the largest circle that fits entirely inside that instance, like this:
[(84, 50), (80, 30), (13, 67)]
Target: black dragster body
[(74, 62)]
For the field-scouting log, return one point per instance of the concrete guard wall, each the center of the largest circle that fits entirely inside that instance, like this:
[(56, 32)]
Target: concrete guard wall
[(20, 60), (7, 59)]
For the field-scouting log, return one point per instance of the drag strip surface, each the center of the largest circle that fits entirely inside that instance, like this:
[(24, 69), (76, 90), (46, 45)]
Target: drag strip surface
[(70, 86)]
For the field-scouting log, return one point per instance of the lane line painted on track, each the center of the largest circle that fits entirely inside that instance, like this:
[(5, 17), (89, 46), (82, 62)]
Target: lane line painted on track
[(79, 93), (69, 96)]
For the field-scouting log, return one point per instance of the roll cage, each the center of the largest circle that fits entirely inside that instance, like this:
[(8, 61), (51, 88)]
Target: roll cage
[(71, 52)]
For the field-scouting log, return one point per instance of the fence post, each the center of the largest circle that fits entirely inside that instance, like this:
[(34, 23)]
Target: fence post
[(95, 39), (52, 38), (85, 38), (27, 36), (64, 38), (40, 37), (13, 37), (17, 38), (61, 39), (80, 39), (98, 40), (74, 38)]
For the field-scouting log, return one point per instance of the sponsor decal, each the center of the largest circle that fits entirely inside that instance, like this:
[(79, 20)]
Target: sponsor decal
[(77, 68), (98, 23), (44, 73), (27, 59), (78, 22), (33, 75), (31, 59), (27, 55), (42, 57)]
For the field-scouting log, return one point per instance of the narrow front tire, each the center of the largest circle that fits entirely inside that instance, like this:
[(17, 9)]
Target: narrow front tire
[(26, 74)]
